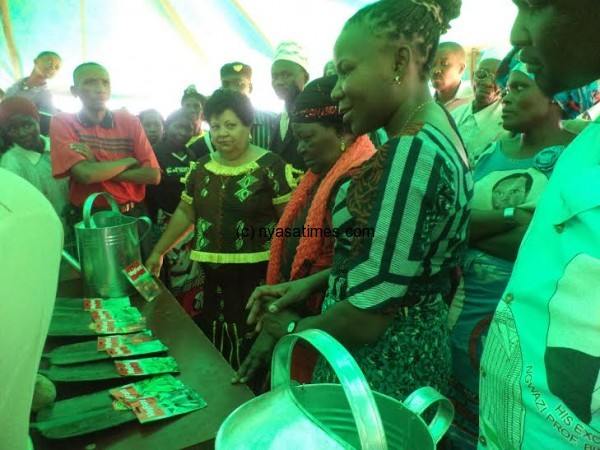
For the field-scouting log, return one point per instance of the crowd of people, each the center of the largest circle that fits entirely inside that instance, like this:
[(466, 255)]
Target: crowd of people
[(443, 224)]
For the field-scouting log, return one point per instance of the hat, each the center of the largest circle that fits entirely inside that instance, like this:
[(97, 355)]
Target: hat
[(292, 51), (14, 106), (236, 68), (314, 103)]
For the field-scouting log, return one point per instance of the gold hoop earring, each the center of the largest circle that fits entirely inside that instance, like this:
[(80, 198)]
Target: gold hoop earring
[(398, 80)]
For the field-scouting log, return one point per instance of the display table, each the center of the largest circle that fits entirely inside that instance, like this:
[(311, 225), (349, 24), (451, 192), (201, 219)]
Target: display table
[(202, 368)]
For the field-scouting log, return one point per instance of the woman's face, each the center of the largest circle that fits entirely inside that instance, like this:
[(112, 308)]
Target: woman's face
[(194, 107), (24, 131), (153, 126), (180, 131), (318, 145), (524, 104), (230, 136), (366, 71)]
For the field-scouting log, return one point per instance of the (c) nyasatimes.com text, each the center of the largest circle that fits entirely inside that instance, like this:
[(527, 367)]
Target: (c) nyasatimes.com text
[(250, 231)]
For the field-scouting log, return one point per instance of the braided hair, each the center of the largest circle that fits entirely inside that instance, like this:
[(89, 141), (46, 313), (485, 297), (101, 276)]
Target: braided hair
[(421, 22)]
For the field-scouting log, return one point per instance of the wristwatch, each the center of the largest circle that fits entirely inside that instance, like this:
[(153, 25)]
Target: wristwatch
[(509, 216), (291, 326)]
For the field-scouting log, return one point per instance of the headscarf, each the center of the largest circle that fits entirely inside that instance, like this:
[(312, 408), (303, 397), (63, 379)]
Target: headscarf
[(573, 102), (312, 253), (314, 104), (15, 106)]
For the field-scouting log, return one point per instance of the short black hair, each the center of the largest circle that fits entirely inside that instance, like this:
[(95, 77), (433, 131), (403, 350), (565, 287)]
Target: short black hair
[(177, 115), (419, 23), (147, 112), (48, 53), (85, 65), (528, 180), (224, 99)]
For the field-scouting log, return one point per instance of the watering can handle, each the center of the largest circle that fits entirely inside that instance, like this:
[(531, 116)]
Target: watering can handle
[(423, 398), (148, 222), (359, 395), (89, 202)]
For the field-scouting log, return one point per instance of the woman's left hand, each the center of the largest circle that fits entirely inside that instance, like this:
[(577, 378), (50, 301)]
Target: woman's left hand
[(276, 324)]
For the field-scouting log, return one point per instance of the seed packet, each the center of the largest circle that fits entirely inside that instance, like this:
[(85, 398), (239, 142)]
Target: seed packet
[(142, 280), (92, 304), (113, 327), (146, 366), (167, 404), (137, 349), (104, 343), (146, 388), (128, 315)]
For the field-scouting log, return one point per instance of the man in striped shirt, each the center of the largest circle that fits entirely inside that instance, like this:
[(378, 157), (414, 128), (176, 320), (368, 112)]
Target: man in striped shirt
[(101, 150), (238, 77)]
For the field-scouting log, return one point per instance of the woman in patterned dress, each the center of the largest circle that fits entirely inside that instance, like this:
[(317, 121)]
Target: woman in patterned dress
[(403, 215), (233, 198)]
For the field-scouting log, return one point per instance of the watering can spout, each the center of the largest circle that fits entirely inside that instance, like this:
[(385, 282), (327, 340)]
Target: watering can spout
[(72, 261)]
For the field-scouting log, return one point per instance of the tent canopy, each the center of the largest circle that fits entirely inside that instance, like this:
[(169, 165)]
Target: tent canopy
[(153, 49)]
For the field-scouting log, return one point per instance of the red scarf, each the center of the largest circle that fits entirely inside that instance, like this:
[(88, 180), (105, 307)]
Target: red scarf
[(310, 251)]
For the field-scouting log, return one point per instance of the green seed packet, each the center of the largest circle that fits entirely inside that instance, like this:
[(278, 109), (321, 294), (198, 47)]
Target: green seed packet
[(142, 280), (146, 366), (167, 404), (128, 315), (92, 304), (146, 388), (143, 348), (104, 343), (113, 327)]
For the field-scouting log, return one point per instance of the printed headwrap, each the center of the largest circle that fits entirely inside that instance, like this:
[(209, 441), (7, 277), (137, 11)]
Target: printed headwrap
[(573, 102), (314, 103)]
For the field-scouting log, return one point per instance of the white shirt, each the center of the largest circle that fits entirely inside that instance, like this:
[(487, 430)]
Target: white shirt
[(540, 369), (478, 130), (464, 95), (30, 244), (35, 167)]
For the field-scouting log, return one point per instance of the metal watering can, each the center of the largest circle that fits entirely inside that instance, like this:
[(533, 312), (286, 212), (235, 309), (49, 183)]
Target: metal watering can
[(107, 242), (332, 416)]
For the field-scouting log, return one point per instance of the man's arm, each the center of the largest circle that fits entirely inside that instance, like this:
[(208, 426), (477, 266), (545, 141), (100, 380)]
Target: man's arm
[(89, 172), (140, 175)]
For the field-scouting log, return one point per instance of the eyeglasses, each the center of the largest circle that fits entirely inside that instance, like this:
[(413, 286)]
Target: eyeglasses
[(482, 74)]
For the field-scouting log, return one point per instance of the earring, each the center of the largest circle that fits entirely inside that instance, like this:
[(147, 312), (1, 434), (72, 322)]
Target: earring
[(398, 80), (343, 146)]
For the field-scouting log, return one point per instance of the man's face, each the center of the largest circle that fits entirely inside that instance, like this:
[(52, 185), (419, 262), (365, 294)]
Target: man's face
[(448, 67), (92, 86), (24, 131), (193, 106), (509, 193), (288, 79), (484, 83), (237, 83), (46, 66), (560, 41)]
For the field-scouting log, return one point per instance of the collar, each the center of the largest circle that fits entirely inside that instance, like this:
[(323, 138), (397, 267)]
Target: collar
[(107, 122), (484, 115), (32, 156)]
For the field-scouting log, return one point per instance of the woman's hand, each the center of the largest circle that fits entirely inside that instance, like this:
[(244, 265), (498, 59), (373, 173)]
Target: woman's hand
[(277, 324), (259, 356), (274, 298), (154, 263)]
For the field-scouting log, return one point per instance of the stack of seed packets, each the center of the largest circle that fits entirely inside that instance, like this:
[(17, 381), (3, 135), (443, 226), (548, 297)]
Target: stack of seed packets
[(142, 280), (146, 366), (157, 398), (127, 319)]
